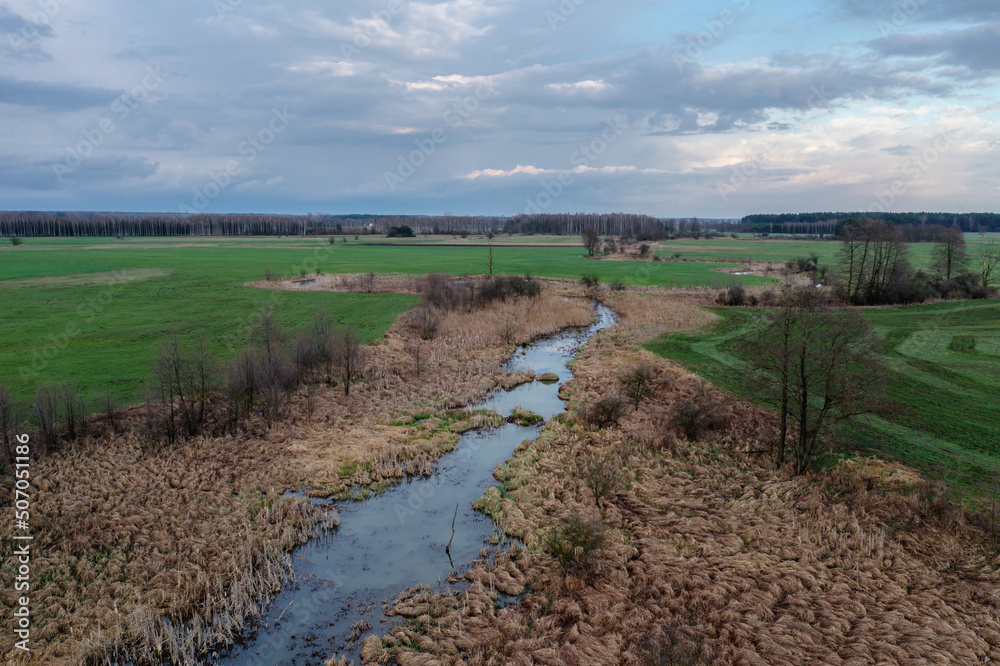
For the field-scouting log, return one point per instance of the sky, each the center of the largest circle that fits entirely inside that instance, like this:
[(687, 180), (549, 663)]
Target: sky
[(717, 108)]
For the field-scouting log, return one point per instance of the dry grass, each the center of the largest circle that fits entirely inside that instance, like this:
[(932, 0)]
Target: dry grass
[(711, 556), (126, 536)]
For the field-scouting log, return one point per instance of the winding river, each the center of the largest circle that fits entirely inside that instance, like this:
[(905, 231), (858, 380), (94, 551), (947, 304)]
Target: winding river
[(345, 582)]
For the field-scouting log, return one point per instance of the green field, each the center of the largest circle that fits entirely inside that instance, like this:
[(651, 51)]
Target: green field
[(94, 310), (945, 379), (745, 249)]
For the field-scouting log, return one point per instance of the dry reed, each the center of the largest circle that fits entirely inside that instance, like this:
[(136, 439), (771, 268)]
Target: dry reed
[(141, 551), (711, 555)]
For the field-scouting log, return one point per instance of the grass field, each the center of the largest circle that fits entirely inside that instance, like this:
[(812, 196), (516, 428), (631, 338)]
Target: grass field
[(94, 310), (945, 363), (765, 249)]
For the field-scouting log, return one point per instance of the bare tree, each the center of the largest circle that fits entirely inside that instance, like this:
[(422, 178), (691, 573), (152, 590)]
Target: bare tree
[(591, 240), (349, 355), (368, 282), (266, 332), (637, 384), (45, 413), (989, 261), (874, 265), (822, 367), (417, 352), (8, 423), (74, 409), (771, 347), (112, 413), (949, 256)]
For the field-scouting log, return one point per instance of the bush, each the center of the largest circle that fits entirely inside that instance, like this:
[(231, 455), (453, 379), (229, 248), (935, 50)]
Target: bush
[(15, 241), (637, 384), (694, 417), (402, 231), (604, 413), (269, 274), (602, 477), (445, 293), (734, 296), (574, 541), (618, 285), (427, 322), (505, 287), (590, 280)]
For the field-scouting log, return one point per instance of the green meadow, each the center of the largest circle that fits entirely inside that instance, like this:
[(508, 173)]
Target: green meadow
[(94, 310), (945, 384), (744, 249)]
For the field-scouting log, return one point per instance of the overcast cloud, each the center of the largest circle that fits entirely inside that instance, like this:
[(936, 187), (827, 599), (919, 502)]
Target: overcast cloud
[(477, 106)]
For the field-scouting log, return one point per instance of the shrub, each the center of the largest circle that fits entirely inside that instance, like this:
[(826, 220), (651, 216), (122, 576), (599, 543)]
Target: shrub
[(15, 241), (695, 416), (637, 384), (590, 280), (445, 293), (602, 477), (604, 413), (402, 231), (269, 274), (618, 285), (733, 296), (505, 287), (427, 322), (574, 541), (643, 250)]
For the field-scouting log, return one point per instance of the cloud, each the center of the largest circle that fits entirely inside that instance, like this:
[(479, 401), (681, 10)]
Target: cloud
[(976, 48), (52, 95)]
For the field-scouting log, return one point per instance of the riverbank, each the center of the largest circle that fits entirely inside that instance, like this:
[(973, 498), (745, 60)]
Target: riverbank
[(146, 551), (707, 554)]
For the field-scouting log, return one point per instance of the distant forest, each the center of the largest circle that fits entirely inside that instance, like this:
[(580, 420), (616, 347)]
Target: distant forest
[(828, 223), (918, 226)]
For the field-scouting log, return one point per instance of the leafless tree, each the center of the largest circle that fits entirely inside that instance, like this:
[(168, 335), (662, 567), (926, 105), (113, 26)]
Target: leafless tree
[(989, 261), (874, 264), (45, 413), (8, 423), (637, 384), (368, 282), (112, 412), (821, 365), (949, 256), (74, 410), (266, 332), (591, 240), (349, 355)]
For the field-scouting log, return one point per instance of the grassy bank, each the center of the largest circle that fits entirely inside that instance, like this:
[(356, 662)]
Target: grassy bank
[(945, 376)]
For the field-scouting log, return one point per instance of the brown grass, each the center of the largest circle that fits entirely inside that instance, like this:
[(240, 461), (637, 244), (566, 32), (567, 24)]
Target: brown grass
[(711, 556), (126, 534)]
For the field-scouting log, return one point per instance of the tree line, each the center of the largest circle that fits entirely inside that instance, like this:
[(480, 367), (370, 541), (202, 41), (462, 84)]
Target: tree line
[(27, 225), (828, 223)]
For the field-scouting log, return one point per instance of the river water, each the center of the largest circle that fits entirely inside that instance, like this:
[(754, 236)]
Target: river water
[(345, 582)]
